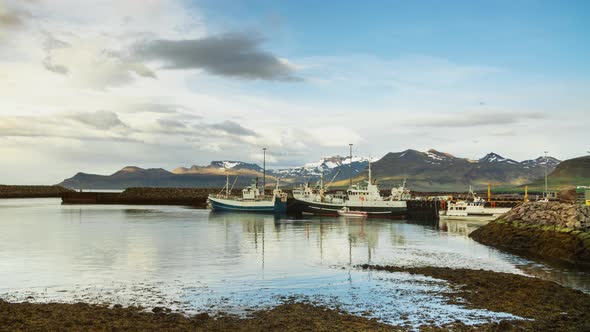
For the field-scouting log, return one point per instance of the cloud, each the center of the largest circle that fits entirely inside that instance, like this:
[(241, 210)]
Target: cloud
[(58, 69), (91, 63), (99, 119), (503, 132), (170, 124), (233, 128), (474, 119), (54, 127), (234, 55), (12, 18)]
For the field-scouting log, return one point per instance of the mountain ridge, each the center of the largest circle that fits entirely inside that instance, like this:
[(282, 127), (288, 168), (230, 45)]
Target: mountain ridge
[(429, 170)]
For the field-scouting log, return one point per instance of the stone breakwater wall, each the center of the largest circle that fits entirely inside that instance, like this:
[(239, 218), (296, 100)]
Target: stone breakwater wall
[(170, 193), (196, 197), (560, 215), (552, 230), (7, 191)]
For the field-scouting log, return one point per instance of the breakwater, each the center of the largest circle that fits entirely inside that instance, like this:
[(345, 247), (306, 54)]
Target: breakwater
[(195, 197), (552, 229), (9, 191)]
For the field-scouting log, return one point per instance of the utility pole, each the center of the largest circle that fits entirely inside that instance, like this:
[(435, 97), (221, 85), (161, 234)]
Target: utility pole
[(263, 170), (546, 193), (350, 165)]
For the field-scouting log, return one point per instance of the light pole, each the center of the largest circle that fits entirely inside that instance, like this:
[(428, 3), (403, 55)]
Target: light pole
[(263, 170), (350, 165), (545, 193)]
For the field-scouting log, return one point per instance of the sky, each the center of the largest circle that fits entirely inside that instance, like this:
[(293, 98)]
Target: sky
[(94, 86)]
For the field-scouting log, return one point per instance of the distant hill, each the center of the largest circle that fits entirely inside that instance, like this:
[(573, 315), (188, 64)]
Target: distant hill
[(425, 171), (130, 176), (571, 172)]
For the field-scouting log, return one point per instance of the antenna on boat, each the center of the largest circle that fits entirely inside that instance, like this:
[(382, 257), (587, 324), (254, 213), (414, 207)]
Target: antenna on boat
[(350, 165), (263, 170)]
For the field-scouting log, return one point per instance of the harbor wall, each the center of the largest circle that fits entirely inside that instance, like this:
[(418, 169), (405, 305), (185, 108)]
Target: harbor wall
[(551, 229), (194, 197), (10, 191)]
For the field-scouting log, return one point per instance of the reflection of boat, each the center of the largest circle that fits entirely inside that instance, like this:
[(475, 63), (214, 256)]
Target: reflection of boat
[(252, 200), (366, 198), (346, 212), (471, 209)]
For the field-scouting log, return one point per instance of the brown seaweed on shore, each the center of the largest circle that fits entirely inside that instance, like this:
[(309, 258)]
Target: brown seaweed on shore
[(547, 305), (86, 317)]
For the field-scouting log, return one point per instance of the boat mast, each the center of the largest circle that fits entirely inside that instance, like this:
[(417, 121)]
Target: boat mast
[(227, 185), (350, 166), (370, 171)]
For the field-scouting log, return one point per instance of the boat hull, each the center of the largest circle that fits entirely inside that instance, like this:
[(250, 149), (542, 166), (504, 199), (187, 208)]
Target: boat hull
[(259, 206), (373, 209)]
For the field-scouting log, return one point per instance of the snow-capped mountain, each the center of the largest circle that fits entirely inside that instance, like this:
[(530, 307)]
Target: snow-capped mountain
[(327, 166), (496, 158), (235, 165), (219, 165), (425, 171), (540, 162)]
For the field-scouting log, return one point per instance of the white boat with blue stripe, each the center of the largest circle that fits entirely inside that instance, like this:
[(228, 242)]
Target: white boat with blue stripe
[(252, 200)]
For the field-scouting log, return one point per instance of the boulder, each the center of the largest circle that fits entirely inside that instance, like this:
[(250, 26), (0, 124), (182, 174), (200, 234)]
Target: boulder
[(568, 196)]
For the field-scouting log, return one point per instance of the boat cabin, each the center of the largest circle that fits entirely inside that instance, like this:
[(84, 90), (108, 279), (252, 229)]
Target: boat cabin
[(250, 192)]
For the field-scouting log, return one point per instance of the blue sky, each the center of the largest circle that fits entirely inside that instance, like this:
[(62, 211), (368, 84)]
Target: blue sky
[(548, 37), (99, 85)]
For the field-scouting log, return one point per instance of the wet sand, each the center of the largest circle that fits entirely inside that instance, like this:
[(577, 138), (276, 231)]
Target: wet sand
[(545, 306)]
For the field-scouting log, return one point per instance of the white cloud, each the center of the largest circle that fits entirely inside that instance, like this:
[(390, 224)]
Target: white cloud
[(70, 59)]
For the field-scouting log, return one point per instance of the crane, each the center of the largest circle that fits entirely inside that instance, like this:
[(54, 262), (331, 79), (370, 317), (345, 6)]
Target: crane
[(333, 178)]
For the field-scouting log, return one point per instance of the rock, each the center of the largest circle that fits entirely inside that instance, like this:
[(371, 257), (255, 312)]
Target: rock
[(568, 196), (160, 310)]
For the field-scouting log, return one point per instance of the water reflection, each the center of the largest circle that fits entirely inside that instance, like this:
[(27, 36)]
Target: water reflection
[(192, 259)]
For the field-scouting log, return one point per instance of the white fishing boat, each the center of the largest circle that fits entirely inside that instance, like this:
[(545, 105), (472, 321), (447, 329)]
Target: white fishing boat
[(471, 209), (359, 197), (346, 212), (252, 200)]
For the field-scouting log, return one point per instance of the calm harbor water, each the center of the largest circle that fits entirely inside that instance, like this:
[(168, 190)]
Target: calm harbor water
[(194, 260)]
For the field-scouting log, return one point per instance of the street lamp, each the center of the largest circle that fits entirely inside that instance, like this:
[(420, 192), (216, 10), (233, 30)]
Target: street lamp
[(263, 170), (545, 193)]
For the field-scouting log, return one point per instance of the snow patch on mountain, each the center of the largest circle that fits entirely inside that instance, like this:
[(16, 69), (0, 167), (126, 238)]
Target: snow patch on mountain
[(496, 158)]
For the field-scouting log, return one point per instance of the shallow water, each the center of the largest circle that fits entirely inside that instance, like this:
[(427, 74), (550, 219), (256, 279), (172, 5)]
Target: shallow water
[(194, 260)]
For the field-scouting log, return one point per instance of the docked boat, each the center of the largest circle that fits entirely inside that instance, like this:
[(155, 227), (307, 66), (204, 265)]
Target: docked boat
[(359, 197), (471, 209), (252, 200), (346, 212)]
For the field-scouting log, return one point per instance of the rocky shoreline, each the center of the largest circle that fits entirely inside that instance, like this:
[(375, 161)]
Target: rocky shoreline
[(549, 230), (544, 306), (7, 191)]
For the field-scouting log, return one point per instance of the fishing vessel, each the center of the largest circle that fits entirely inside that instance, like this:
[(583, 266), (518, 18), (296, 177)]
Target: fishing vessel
[(359, 197), (252, 200), (471, 209)]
